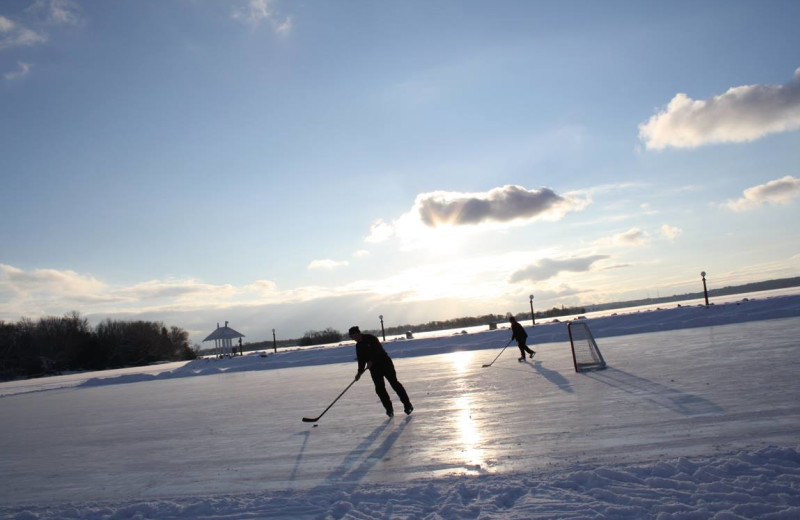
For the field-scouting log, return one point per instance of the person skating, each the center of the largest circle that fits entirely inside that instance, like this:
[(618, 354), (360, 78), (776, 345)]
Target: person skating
[(371, 355), (518, 333)]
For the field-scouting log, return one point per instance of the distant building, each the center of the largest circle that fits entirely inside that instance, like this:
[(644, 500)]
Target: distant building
[(223, 340)]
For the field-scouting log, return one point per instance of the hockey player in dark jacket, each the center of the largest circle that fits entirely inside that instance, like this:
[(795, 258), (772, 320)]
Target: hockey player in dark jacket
[(518, 333), (371, 355)]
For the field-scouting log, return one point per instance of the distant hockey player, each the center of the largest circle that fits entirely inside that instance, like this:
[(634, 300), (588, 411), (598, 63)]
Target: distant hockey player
[(372, 356), (518, 333)]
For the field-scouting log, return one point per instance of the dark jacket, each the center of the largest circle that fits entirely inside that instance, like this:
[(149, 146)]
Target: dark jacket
[(370, 349), (518, 332)]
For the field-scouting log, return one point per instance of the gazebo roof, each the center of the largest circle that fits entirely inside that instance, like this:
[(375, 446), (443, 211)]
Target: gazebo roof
[(224, 333)]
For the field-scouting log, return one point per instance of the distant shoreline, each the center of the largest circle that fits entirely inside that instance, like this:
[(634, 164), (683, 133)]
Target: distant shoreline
[(781, 283), (768, 285)]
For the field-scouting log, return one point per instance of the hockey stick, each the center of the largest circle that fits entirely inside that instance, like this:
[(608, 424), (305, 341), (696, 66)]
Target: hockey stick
[(315, 419), (498, 355)]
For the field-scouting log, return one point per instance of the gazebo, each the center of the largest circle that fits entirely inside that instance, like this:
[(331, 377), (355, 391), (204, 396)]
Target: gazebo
[(223, 340)]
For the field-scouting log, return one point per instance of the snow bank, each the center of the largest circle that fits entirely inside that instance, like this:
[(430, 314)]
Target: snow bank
[(761, 484)]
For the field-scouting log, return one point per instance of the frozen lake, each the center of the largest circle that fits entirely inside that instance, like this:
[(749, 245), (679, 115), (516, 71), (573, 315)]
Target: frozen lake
[(700, 392)]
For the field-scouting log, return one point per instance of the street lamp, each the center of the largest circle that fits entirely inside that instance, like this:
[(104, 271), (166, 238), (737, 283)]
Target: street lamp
[(533, 318), (383, 332), (274, 343), (705, 289)]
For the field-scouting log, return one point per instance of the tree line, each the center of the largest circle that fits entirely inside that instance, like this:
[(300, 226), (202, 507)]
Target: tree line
[(53, 345), (319, 337)]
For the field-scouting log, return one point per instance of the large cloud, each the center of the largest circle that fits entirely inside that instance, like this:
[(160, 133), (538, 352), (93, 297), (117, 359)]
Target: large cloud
[(498, 205), (40, 292), (443, 219), (778, 191), (52, 281), (439, 218), (744, 113)]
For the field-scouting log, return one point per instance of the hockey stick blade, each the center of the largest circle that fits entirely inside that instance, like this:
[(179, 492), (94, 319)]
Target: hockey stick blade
[(309, 419), (498, 355)]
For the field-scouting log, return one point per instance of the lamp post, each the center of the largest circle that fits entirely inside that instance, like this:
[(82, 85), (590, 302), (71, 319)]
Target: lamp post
[(533, 318), (274, 343), (383, 332), (705, 289)]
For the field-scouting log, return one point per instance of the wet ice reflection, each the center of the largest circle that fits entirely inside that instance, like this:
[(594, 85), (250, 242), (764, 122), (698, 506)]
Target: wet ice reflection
[(462, 361), (468, 429), (470, 435)]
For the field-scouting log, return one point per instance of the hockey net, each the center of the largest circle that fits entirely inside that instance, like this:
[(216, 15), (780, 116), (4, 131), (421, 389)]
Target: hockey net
[(585, 353)]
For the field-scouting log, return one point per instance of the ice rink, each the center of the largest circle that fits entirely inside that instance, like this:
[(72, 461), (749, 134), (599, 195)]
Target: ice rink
[(697, 392)]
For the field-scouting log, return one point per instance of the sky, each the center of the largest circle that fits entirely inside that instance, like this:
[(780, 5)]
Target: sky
[(303, 165)]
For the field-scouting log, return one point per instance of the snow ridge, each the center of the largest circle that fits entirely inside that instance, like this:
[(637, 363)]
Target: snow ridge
[(747, 484)]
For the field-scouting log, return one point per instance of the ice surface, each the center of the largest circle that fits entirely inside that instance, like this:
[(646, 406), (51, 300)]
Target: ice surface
[(685, 423)]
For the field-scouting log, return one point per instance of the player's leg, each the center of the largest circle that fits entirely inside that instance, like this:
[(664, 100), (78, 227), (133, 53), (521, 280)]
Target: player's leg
[(380, 389)]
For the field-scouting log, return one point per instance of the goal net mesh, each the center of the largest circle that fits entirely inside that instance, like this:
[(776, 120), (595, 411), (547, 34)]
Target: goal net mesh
[(585, 353)]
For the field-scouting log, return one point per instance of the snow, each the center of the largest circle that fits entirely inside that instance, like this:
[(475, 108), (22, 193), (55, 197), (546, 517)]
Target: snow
[(697, 417)]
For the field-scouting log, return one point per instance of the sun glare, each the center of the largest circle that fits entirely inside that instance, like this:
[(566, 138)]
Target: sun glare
[(462, 360), (470, 436)]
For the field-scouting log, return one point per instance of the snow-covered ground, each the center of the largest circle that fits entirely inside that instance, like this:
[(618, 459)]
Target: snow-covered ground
[(697, 417)]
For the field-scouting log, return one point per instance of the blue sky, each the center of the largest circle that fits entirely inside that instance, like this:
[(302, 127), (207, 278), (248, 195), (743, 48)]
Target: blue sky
[(303, 165)]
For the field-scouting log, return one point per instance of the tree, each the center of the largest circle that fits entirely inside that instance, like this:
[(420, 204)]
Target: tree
[(318, 337)]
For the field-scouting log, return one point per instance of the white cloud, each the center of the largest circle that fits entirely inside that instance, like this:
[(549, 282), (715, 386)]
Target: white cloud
[(441, 218), (41, 292), (380, 231), (327, 264), (47, 291), (670, 232), (6, 25), (361, 253), (15, 35), (474, 282), (283, 27), (778, 191), (255, 12), (22, 282), (33, 28), (741, 114), (632, 237), (174, 290), (20, 73), (263, 287), (547, 268), (57, 12)]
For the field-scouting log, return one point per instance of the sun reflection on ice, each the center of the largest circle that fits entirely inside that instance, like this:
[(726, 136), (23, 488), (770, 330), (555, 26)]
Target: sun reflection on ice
[(461, 361), (470, 436), (468, 429)]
